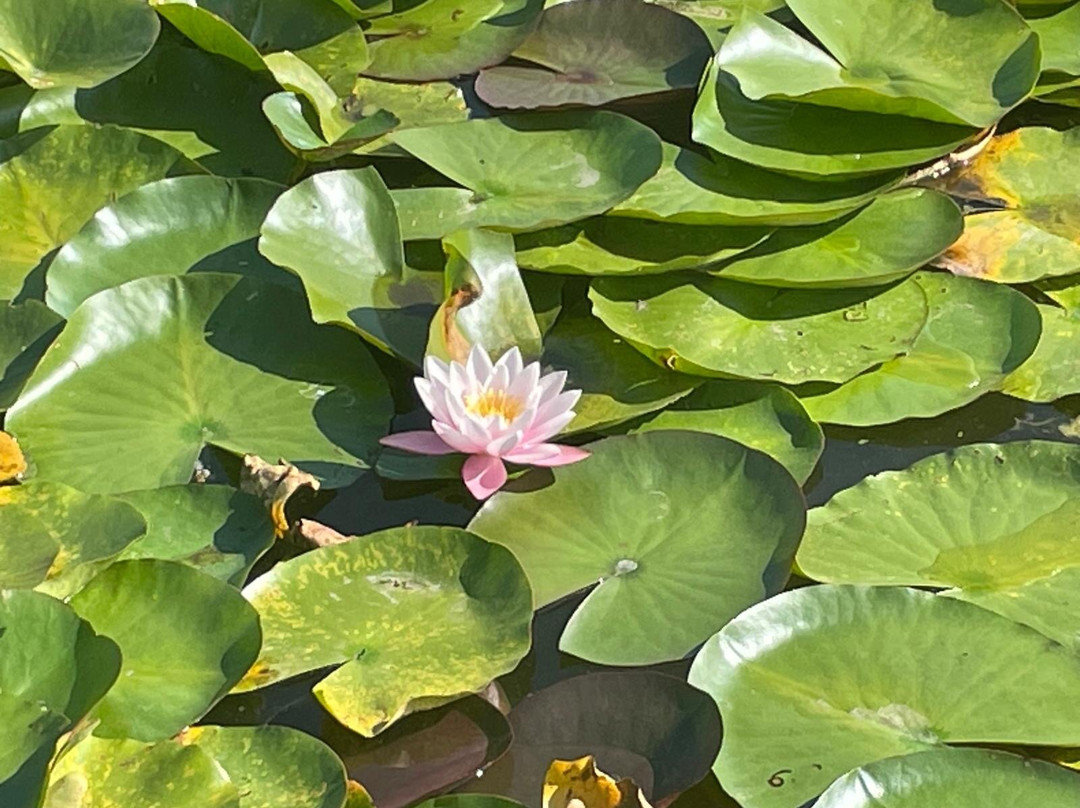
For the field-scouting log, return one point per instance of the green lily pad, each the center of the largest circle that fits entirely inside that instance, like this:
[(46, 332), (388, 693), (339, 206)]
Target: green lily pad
[(692, 188), (968, 63), (612, 245), (765, 417), (617, 383), (413, 105), (113, 773), (170, 364), (757, 332), (52, 188), (715, 17), (275, 767), (26, 330), (975, 335), (76, 43), (1053, 370), (214, 528), (186, 638), (412, 617), (1013, 555), (1057, 40), (339, 232), (1033, 172), (786, 135), (210, 31), (441, 39), (523, 173), (589, 53), (55, 538), (164, 228), (640, 516), (889, 238), (53, 669), (959, 778), (817, 681), (650, 727), (487, 303), (206, 106)]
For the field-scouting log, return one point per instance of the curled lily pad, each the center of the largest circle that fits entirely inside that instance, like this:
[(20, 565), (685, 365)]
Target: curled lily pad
[(756, 332), (440, 39), (691, 188), (817, 681), (175, 363), (75, 43), (959, 778), (888, 239), (1014, 555), (765, 417), (593, 52), (214, 528), (55, 538), (523, 173), (786, 135), (163, 228), (612, 245), (1033, 173), (968, 64), (26, 330), (975, 335), (411, 618), (52, 188), (660, 561), (186, 638)]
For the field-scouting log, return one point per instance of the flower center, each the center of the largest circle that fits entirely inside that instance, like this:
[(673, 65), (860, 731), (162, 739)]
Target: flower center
[(494, 402)]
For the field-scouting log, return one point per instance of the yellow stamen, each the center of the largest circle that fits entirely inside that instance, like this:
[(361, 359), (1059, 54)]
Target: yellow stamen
[(494, 402)]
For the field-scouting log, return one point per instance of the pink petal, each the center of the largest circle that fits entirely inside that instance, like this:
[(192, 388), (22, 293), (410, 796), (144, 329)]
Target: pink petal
[(453, 437), (547, 454), (418, 441), (483, 475)]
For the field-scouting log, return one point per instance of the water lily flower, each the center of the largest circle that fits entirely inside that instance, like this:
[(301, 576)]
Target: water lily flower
[(492, 412)]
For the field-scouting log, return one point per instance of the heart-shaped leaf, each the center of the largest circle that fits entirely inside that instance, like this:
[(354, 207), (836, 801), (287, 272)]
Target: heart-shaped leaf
[(712, 533), (817, 681), (174, 363), (186, 638), (411, 617)]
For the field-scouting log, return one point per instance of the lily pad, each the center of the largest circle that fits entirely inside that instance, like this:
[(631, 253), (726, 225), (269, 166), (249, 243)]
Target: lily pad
[(274, 767), (170, 364), (888, 239), (650, 727), (53, 669), (1057, 40), (943, 60), (441, 39), (487, 303), (592, 52), (786, 135), (411, 617), (975, 335), (186, 638), (616, 381), (640, 516), (339, 232), (76, 43), (523, 173), (1053, 370), (612, 245), (1013, 555), (757, 332), (820, 680), (52, 188), (691, 188), (163, 228), (26, 330), (110, 773), (959, 778), (55, 538), (1033, 173), (214, 528), (765, 417)]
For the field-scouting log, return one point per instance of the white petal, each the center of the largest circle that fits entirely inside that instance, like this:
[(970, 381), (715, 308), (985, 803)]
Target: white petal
[(459, 381), (540, 432), (454, 438), (525, 384), (557, 406), (552, 384), (433, 401), (436, 370), (507, 443), (478, 365), (511, 360)]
